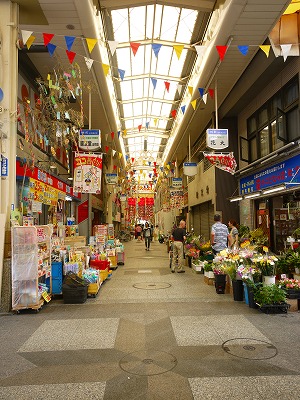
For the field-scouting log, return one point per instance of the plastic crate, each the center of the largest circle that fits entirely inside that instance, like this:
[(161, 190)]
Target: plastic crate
[(99, 264)]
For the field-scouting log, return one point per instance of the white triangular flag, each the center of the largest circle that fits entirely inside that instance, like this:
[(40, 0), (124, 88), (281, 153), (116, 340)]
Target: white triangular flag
[(89, 62), (113, 153), (200, 50), (26, 35), (285, 48), (204, 98), (179, 88), (112, 45)]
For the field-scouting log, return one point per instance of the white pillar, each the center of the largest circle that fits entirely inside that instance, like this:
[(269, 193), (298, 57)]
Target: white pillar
[(8, 117)]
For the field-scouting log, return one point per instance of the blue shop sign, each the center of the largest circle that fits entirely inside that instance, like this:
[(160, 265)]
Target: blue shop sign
[(285, 172), (4, 166)]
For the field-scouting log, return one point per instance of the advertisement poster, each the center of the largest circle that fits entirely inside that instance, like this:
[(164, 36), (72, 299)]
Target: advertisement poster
[(87, 173)]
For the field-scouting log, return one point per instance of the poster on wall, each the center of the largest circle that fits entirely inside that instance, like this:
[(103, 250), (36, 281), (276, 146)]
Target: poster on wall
[(87, 173)]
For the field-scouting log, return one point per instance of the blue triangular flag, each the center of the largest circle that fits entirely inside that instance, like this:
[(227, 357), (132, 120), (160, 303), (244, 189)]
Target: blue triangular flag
[(156, 47), (183, 109), (121, 73), (127, 156), (119, 132), (69, 41), (149, 162), (243, 50), (201, 91), (147, 125), (154, 82), (51, 48)]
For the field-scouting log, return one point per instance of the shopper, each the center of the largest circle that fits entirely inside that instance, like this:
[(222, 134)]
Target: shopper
[(219, 235), (178, 236), (234, 234), (155, 233), (147, 236), (139, 230)]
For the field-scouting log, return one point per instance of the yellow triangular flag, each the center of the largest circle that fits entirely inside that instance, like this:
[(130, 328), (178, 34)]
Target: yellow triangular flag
[(155, 121), (193, 103), (124, 132), (178, 49), (120, 155), (29, 42), (91, 43), (265, 49), (105, 68), (190, 89)]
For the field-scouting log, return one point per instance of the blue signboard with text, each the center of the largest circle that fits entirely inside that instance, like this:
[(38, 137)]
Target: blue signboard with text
[(4, 166), (287, 172)]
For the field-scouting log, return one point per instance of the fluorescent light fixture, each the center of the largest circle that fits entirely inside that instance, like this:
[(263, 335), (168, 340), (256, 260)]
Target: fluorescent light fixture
[(68, 198), (274, 189), (237, 198), (252, 195)]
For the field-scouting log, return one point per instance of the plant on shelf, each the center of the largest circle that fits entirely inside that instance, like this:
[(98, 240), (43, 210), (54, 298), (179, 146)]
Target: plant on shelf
[(266, 264), (208, 266), (269, 295), (287, 284)]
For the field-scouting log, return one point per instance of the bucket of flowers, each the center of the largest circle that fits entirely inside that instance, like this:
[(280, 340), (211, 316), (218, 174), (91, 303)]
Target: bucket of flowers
[(267, 265)]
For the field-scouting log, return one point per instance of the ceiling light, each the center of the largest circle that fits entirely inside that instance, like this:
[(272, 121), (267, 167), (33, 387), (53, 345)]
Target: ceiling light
[(274, 189), (252, 195), (236, 198)]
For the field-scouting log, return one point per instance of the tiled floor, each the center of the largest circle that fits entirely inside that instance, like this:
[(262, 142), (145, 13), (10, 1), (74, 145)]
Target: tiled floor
[(150, 334)]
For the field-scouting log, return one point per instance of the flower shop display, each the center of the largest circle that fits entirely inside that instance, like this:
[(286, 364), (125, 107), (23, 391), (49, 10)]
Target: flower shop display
[(267, 265), (271, 299), (291, 287)]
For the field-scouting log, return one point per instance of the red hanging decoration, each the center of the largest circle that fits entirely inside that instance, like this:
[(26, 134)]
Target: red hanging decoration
[(71, 55), (211, 93), (47, 38), (139, 128), (173, 113), (222, 51), (112, 135), (167, 85), (134, 47), (106, 149)]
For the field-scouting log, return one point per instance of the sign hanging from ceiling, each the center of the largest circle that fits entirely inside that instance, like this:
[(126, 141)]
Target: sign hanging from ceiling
[(111, 179), (190, 168), (87, 173), (89, 139), (217, 138)]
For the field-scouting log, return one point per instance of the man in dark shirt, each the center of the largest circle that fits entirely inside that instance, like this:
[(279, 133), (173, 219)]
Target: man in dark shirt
[(178, 236)]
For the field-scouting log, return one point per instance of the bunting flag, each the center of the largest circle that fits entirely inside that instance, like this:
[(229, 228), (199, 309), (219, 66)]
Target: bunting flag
[(204, 98), (193, 103), (178, 49), (265, 49), (167, 85), (134, 47), (190, 89), (105, 68), (119, 132), (120, 155), (112, 135), (226, 162), (244, 50), (139, 128), (211, 93), (124, 132), (179, 88), (147, 125), (113, 152), (200, 50), (69, 41), (88, 62), (71, 55), (154, 82), (121, 73), (106, 149), (222, 51), (155, 121), (285, 48), (132, 160), (112, 46), (126, 157), (201, 91), (156, 47), (26, 35), (173, 113), (47, 38), (114, 167), (183, 109), (91, 43), (29, 42), (106, 137), (51, 48)]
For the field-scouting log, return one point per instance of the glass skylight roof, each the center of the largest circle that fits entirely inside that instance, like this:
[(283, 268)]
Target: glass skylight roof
[(146, 102)]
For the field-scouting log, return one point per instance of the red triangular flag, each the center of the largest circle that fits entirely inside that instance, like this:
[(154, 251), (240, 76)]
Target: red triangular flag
[(173, 113), (134, 47), (47, 38), (132, 160), (222, 51), (71, 55), (112, 135), (167, 85), (139, 128), (211, 93), (115, 167), (106, 149)]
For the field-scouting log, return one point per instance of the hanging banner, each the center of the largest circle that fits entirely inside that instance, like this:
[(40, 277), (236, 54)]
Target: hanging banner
[(87, 173), (89, 139), (111, 179), (226, 162), (176, 199), (177, 183), (217, 138)]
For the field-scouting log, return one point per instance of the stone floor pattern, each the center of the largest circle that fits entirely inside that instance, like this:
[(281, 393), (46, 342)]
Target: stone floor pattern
[(151, 335)]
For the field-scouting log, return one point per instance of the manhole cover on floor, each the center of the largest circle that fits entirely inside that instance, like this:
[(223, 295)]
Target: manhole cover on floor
[(252, 349), (152, 286), (148, 362)]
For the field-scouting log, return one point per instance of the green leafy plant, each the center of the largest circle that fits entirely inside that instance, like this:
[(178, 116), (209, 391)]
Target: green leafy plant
[(208, 267), (231, 270), (267, 295)]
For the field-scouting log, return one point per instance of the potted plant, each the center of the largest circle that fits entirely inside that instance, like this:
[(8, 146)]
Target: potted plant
[(271, 298), (208, 270), (237, 284), (267, 266), (220, 278)]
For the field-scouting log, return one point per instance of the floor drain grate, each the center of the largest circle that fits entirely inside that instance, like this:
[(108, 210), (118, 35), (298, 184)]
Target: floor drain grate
[(152, 286), (252, 349)]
